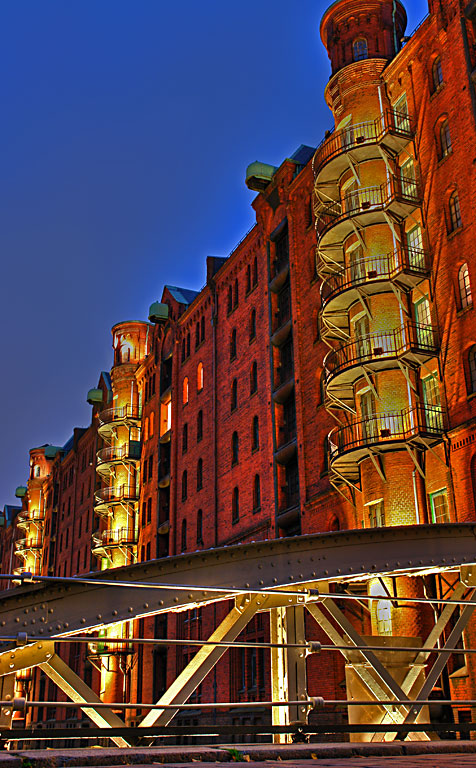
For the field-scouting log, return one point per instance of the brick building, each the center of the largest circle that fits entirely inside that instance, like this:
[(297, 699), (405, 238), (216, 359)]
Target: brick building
[(323, 379)]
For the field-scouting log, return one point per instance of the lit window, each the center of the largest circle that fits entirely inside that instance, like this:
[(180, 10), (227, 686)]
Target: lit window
[(439, 507), (376, 514), (36, 471), (165, 416), (360, 49), (437, 74), (151, 427), (464, 285), (146, 428), (384, 617), (472, 369), (185, 391), (455, 212), (200, 377), (445, 139)]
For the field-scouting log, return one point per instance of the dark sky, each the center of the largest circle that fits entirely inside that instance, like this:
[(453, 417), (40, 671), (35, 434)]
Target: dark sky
[(126, 128)]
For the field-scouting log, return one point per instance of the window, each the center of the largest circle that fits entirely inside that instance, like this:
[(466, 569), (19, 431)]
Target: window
[(248, 278), (472, 369), (384, 617), (230, 299), (439, 507), (376, 514), (437, 74), (185, 438), (234, 449), (235, 293), (199, 527), (36, 471), (200, 377), (256, 493), (408, 179), (184, 485), (202, 328), (424, 329), (144, 510), (416, 256), (151, 429), (149, 510), (182, 357), (360, 49), (199, 426), (255, 434), (455, 212), (151, 466), (255, 271), (253, 324), (183, 542), (445, 140), (188, 345), (233, 344), (197, 335), (185, 391), (235, 506), (464, 285), (400, 114), (254, 378), (234, 395), (199, 475)]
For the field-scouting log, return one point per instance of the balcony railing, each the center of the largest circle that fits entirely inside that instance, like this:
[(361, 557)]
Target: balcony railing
[(32, 542), (121, 493), (25, 569), (30, 516), (128, 451), (369, 199), (108, 648), (362, 134), (376, 268), (122, 413), (380, 346), (116, 538), (391, 426)]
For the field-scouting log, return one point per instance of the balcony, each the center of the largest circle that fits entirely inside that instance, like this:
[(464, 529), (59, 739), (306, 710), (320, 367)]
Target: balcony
[(108, 497), (107, 457), (411, 344), (419, 427), (113, 539), (31, 543), (392, 131), (283, 382), (279, 273), (287, 444), (31, 517), (289, 510), (365, 207), (107, 647), (342, 286), (125, 415), (24, 569)]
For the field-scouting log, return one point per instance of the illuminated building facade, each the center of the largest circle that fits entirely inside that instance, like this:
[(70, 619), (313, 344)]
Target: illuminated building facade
[(323, 379)]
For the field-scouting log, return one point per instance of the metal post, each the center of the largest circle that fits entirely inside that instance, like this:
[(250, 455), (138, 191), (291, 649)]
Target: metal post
[(288, 667)]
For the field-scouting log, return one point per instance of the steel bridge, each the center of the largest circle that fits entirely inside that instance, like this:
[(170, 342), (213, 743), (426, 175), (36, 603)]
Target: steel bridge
[(286, 578)]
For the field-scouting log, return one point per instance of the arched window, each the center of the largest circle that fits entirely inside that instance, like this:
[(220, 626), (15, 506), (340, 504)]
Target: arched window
[(185, 391), (199, 426), (255, 271), (234, 449), (199, 527), (146, 428), (233, 344), (199, 475), (256, 493), (235, 506), (183, 538), (230, 299), (197, 335), (445, 139), (202, 328), (184, 438), (254, 378), (464, 285), (437, 74), (360, 48), (334, 524), (255, 434), (184, 485), (234, 395), (455, 212), (200, 377), (253, 324), (235, 293), (472, 369)]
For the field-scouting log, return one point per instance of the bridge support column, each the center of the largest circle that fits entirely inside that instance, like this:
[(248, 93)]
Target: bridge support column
[(288, 667)]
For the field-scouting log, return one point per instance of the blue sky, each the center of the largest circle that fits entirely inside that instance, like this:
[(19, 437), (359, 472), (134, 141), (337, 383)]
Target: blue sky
[(126, 130)]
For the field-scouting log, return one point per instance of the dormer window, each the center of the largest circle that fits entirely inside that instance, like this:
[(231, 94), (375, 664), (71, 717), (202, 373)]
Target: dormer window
[(361, 50)]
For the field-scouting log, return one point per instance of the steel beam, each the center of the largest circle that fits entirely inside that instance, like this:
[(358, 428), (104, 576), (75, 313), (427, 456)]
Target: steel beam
[(288, 667)]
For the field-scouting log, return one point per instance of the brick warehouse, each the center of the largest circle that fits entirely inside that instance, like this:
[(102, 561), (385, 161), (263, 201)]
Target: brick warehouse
[(323, 379)]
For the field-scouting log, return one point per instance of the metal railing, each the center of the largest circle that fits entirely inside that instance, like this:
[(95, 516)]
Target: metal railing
[(120, 413), (32, 542), (367, 199), (379, 346), (385, 267), (361, 134), (120, 493), (115, 537), (117, 453), (389, 426)]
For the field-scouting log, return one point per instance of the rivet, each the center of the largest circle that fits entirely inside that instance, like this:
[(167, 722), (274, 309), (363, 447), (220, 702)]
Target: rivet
[(131, 610), (83, 620), (114, 613), (40, 646), (261, 582), (33, 621), (146, 605), (12, 666), (41, 631), (26, 610), (66, 625), (12, 655), (50, 628), (175, 600), (50, 610), (17, 619), (2, 623), (25, 623), (161, 602), (99, 616)]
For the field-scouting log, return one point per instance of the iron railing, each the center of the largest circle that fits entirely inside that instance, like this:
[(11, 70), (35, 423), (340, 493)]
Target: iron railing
[(115, 537), (380, 346), (120, 413), (120, 493), (119, 452), (367, 199), (32, 542), (381, 267), (387, 427), (361, 134)]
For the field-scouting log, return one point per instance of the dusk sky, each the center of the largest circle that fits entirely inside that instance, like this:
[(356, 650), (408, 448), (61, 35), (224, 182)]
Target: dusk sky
[(126, 129)]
